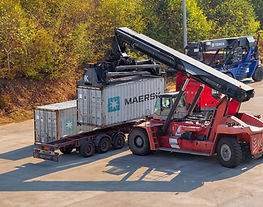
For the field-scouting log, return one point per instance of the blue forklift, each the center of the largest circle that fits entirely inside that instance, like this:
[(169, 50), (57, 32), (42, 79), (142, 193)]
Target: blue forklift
[(236, 56)]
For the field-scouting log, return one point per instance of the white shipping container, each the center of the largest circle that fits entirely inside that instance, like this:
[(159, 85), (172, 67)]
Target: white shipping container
[(53, 121), (122, 100)]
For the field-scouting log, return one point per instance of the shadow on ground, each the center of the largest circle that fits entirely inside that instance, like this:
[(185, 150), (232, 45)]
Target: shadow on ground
[(18, 154), (184, 172), (248, 81)]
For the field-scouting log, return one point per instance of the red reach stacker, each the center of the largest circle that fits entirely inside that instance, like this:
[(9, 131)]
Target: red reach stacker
[(176, 127)]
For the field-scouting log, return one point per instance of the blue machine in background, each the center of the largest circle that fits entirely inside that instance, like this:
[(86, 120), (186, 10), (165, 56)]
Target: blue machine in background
[(235, 56)]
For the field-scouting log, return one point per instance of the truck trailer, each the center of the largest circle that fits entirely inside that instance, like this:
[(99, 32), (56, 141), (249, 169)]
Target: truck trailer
[(98, 120)]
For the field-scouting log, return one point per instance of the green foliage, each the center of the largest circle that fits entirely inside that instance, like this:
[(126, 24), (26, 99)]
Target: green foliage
[(164, 21), (230, 17), (199, 28), (16, 31), (258, 5), (108, 14), (51, 38)]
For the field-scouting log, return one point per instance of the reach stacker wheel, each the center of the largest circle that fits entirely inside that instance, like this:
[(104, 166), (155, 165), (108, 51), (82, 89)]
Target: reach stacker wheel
[(258, 74), (229, 152), (139, 142), (229, 74)]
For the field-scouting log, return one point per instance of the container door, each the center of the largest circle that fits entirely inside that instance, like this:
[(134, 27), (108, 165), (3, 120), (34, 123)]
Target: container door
[(67, 122), (80, 105), (37, 126), (43, 126)]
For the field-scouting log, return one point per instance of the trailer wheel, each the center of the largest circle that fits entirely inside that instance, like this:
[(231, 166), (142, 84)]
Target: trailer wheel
[(229, 152), (118, 140), (139, 142), (104, 144), (258, 74), (66, 150), (87, 148)]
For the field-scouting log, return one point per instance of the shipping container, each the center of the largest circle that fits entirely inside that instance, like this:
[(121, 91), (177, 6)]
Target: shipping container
[(123, 100), (54, 121)]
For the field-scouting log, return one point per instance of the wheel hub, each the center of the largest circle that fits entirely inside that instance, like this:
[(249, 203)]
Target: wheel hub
[(104, 145), (138, 141), (119, 141), (88, 149), (225, 152)]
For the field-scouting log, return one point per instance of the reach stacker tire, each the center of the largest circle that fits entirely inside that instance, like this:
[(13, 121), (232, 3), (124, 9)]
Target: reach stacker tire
[(229, 152), (258, 74), (229, 74), (139, 142)]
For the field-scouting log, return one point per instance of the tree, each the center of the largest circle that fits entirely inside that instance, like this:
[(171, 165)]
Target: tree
[(258, 5), (61, 40), (164, 22), (108, 14), (16, 30), (230, 17)]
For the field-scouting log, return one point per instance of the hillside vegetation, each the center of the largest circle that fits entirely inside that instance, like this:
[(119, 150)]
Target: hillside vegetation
[(43, 43)]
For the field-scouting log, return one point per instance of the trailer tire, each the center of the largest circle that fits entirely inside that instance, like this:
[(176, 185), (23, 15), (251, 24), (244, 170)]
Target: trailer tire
[(139, 142), (66, 150), (229, 152), (258, 74), (118, 140), (103, 143), (87, 148)]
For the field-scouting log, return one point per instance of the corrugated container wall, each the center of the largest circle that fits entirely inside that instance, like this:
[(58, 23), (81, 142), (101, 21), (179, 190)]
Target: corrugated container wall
[(53, 121), (122, 100)]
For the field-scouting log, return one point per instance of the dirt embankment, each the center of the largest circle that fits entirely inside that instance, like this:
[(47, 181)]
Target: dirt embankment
[(18, 97)]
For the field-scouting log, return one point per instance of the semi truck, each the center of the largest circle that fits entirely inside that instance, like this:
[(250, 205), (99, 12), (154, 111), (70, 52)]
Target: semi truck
[(174, 126)]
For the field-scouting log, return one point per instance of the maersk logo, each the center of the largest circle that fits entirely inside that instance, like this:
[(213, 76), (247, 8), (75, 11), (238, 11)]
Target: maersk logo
[(69, 125), (114, 104), (142, 98)]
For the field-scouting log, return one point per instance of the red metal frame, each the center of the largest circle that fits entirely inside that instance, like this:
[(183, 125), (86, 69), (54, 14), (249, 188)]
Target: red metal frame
[(206, 99)]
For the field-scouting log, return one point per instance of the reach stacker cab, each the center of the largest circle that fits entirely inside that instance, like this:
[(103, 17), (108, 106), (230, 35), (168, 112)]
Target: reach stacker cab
[(165, 101)]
